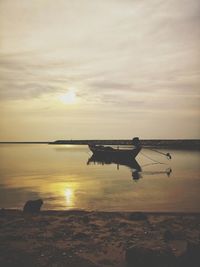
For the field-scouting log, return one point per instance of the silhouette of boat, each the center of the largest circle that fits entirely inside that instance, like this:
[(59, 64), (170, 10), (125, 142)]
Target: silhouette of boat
[(110, 159), (118, 153), (129, 162), (136, 170)]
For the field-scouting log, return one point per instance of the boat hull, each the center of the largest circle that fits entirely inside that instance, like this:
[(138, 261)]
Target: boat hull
[(114, 153), (128, 162)]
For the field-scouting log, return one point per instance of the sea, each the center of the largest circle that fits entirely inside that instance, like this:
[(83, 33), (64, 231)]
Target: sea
[(69, 177)]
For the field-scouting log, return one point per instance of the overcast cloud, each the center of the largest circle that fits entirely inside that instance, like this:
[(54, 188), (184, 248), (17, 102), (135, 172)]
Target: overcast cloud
[(134, 57)]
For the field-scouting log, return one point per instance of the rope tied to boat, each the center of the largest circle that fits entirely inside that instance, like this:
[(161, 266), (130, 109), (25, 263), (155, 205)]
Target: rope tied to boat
[(156, 161), (168, 155)]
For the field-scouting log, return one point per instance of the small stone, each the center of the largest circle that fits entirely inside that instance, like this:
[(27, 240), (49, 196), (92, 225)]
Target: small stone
[(81, 236), (86, 219), (179, 247), (192, 256), (2, 212), (142, 256), (113, 229), (137, 216), (168, 236), (123, 224)]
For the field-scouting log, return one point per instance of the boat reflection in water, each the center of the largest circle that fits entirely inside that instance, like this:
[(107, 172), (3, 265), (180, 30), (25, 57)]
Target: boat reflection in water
[(132, 164)]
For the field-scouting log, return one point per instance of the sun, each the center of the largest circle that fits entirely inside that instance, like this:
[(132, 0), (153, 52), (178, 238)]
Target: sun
[(68, 98)]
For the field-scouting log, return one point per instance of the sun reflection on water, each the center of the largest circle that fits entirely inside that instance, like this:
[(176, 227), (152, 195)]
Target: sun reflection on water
[(69, 196)]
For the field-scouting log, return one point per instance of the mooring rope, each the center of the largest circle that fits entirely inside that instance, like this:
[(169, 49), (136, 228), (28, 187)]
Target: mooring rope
[(165, 154), (156, 161), (150, 164)]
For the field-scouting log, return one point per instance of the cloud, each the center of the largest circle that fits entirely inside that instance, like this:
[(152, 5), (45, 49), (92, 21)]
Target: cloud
[(130, 55)]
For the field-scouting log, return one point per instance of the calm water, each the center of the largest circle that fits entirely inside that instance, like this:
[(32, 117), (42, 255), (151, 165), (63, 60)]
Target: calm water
[(61, 176)]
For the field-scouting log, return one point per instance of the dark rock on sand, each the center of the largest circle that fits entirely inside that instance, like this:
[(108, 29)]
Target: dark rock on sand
[(192, 256), (137, 216), (86, 219), (33, 206), (180, 253), (2, 212), (168, 236), (143, 256), (80, 236)]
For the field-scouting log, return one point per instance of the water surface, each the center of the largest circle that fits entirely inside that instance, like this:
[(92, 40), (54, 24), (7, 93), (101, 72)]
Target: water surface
[(62, 177)]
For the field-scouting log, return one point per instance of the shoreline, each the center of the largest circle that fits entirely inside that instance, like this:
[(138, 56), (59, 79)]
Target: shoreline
[(83, 238), (87, 211)]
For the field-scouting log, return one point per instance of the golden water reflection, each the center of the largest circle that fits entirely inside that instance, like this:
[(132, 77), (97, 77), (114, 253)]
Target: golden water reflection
[(69, 196), (61, 177)]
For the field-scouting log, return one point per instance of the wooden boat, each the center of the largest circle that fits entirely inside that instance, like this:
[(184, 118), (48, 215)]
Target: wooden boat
[(117, 152)]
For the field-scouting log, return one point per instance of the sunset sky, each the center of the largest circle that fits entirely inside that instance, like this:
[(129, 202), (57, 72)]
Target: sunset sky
[(99, 69)]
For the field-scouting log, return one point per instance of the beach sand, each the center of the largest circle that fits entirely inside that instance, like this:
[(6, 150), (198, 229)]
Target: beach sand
[(91, 239)]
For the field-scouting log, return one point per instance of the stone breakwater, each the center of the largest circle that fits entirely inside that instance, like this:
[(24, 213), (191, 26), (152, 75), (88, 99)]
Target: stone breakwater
[(193, 144)]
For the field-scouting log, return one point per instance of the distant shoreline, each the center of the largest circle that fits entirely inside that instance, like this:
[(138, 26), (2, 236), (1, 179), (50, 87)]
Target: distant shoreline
[(192, 144), (25, 142)]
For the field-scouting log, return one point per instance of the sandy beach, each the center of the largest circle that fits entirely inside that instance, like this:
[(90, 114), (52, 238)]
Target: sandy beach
[(92, 239)]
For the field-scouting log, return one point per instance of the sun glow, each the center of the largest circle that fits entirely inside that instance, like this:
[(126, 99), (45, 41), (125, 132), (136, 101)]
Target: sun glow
[(68, 98)]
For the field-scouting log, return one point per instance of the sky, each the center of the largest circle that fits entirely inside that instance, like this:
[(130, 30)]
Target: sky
[(109, 69)]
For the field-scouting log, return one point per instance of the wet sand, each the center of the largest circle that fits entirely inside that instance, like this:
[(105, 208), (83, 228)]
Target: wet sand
[(89, 239)]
